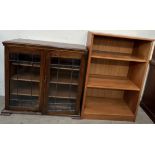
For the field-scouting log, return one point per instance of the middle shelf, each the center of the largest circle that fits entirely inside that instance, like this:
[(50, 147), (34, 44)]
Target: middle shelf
[(32, 89), (111, 82), (36, 78), (114, 74), (58, 74)]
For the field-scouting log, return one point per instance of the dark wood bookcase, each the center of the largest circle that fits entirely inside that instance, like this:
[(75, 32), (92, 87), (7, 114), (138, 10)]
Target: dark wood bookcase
[(115, 76), (148, 101), (44, 77)]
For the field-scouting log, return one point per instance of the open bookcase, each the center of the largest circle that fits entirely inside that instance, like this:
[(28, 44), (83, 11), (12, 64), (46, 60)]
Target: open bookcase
[(44, 77), (115, 75)]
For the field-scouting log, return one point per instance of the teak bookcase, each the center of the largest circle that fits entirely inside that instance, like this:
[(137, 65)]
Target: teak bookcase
[(115, 76), (44, 77)]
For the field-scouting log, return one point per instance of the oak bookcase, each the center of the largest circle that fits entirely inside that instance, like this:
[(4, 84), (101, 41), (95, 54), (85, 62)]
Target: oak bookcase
[(43, 77), (115, 76)]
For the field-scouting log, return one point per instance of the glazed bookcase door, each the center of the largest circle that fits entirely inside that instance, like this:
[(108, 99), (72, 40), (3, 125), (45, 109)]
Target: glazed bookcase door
[(23, 79), (63, 89)]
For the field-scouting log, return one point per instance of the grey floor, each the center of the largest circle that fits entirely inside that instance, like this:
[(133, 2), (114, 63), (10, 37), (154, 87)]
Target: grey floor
[(142, 118)]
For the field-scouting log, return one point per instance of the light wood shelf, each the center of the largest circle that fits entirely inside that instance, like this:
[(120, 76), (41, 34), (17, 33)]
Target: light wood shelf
[(99, 108), (111, 82), (116, 56)]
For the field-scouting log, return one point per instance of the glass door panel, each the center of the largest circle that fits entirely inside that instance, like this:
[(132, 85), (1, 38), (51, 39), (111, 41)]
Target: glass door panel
[(24, 80), (63, 84)]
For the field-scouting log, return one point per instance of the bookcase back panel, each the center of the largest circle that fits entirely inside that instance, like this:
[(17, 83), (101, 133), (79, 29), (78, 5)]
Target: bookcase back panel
[(111, 44), (142, 49), (132, 98), (136, 72), (106, 93), (109, 67)]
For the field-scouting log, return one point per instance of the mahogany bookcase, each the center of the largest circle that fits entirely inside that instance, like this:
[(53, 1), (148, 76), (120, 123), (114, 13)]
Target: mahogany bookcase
[(44, 77)]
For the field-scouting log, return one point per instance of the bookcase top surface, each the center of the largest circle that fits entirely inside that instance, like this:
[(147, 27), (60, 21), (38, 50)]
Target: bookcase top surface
[(45, 44), (121, 36)]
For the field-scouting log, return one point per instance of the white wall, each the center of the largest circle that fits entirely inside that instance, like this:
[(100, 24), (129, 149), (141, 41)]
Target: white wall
[(74, 36)]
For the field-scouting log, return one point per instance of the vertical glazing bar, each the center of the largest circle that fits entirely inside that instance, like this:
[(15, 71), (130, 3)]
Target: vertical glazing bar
[(31, 71), (57, 79), (70, 86), (17, 84)]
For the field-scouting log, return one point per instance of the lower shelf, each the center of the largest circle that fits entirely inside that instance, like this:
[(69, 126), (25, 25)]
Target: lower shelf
[(61, 108), (61, 105), (106, 108)]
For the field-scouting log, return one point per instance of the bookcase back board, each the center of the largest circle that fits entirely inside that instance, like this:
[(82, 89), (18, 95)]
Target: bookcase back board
[(115, 75), (44, 77)]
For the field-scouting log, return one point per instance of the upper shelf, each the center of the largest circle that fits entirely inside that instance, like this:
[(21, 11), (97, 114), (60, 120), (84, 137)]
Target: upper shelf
[(111, 82), (116, 56), (26, 64), (65, 67)]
